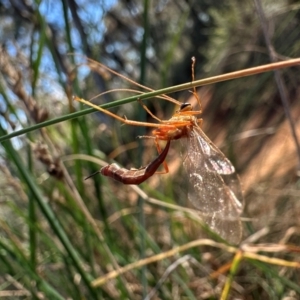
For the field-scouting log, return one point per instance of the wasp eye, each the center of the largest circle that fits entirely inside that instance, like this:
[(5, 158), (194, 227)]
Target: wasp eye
[(185, 107)]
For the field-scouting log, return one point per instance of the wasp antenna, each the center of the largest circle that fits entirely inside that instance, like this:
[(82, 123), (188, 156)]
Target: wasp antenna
[(193, 79), (193, 68)]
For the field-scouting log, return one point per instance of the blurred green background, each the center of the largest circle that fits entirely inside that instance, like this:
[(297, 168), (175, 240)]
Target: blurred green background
[(59, 232)]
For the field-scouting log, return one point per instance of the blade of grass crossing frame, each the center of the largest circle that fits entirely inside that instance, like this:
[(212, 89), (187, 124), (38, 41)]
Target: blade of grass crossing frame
[(47, 211), (233, 270), (180, 87), (142, 114)]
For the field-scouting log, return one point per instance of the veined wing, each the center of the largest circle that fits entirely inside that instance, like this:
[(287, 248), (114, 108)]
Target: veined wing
[(214, 187)]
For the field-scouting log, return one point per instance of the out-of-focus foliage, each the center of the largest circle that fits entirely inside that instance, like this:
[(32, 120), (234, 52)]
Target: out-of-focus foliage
[(58, 232)]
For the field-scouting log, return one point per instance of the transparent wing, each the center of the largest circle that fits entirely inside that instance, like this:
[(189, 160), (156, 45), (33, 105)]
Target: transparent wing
[(214, 187), (230, 229)]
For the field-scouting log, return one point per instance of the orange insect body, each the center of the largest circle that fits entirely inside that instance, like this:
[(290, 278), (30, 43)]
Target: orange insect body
[(213, 185), (180, 125)]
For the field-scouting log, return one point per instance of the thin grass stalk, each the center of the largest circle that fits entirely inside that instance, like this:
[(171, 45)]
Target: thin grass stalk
[(233, 270), (32, 218), (141, 132), (180, 87)]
